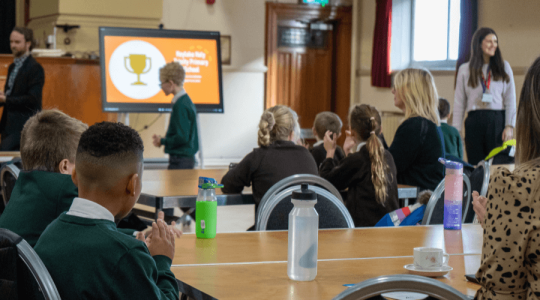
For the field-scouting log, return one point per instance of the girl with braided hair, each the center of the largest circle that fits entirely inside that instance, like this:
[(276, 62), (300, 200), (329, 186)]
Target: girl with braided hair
[(277, 157), (367, 170)]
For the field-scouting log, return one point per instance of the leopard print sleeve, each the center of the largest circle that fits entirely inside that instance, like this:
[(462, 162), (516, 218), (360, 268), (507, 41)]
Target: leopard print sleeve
[(509, 266)]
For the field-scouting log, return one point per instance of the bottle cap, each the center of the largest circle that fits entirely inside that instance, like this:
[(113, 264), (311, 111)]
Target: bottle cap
[(208, 183), (304, 193), (449, 164)]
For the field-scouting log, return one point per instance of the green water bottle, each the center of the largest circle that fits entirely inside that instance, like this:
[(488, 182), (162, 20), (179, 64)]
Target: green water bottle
[(206, 208)]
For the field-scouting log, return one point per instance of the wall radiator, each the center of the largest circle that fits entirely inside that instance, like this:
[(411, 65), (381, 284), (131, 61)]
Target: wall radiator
[(390, 123)]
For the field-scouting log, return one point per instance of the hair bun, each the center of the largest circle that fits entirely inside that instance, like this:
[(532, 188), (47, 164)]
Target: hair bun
[(268, 117)]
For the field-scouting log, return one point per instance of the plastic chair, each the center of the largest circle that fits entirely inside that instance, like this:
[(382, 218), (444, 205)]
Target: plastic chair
[(8, 176), (479, 182), (400, 283), (436, 203), (31, 264), (275, 206)]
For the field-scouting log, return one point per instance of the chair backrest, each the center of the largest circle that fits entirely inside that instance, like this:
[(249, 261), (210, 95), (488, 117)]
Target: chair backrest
[(479, 180), (400, 283), (275, 206), (434, 213), (8, 176), (29, 263)]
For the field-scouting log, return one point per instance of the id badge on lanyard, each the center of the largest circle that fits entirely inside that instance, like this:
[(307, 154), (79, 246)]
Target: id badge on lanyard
[(486, 96)]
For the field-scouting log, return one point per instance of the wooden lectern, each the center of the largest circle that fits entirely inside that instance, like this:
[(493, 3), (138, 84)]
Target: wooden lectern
[(71, 85)]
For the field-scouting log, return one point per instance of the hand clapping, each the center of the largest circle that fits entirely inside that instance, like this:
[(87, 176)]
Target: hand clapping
[(160, 241), (479, 207)]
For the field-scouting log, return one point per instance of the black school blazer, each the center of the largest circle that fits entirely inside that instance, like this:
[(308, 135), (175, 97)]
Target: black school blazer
[(25, 98)]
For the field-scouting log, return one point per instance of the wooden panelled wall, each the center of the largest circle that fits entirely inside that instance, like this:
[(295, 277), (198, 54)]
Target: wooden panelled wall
[(71, 85)]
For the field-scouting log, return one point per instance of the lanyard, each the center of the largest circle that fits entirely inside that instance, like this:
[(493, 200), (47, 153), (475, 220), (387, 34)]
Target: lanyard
[(485, 84)]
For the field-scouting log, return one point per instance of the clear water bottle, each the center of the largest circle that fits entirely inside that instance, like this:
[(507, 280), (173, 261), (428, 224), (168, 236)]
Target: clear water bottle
[(453, 194), (303, 236), (206, 208)]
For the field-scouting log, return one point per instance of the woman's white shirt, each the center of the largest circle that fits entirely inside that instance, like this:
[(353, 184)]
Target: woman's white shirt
[(467, 98)]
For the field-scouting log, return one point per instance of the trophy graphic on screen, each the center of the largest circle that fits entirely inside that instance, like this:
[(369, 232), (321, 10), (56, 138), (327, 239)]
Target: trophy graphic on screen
[(138, 65)]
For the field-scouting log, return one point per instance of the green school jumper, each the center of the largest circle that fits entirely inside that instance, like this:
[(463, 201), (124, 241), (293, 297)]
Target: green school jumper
[(182, 138), (452, 141), (91, 259), (37, 199)]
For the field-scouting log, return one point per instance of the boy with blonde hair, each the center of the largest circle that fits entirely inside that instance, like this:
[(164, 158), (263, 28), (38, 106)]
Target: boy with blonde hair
[(44, 188)]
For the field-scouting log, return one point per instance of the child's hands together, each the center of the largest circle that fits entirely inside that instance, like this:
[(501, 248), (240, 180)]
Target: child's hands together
[(160, 241)]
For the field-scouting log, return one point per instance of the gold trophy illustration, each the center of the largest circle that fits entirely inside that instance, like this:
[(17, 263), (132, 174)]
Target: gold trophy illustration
[(138, 65)]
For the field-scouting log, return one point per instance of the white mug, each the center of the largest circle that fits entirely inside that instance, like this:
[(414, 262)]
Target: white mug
[(430, 258)]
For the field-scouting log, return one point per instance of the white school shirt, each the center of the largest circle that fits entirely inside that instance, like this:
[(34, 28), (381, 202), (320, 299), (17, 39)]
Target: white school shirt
[(467, 99), (89, 210), (181, 93), (360, 146)]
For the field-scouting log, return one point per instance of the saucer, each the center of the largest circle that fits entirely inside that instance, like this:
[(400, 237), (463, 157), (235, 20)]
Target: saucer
[(429, 273)]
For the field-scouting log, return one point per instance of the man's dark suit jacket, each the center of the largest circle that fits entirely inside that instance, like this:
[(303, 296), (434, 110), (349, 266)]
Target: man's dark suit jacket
[(23, 102)]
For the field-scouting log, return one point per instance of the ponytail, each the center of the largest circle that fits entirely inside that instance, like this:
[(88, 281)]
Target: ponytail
[(265, 127), (365, 120), (378, 163)]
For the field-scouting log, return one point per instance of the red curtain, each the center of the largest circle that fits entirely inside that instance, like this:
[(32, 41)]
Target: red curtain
[(467, 27), (380, 63)]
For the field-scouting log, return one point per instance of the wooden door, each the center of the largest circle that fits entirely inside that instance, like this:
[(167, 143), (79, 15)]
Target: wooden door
[(309, 77)]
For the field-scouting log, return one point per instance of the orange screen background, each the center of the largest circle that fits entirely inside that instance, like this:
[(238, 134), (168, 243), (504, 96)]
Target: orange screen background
[(204, 92)]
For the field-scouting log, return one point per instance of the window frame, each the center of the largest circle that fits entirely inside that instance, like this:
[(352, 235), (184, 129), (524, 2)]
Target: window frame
[(447, 64)]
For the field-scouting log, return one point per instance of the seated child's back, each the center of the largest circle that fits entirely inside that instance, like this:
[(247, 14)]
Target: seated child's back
[(83, 251), (277, 157), (452, 139), (369, 174), (326, 121), (44, 188)]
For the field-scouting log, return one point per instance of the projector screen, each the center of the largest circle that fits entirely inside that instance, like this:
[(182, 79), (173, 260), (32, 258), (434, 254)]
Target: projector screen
[(131, 58)]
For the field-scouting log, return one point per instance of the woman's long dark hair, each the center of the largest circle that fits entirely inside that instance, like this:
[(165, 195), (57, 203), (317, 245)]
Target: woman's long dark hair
[(528, 117), (496, 62)]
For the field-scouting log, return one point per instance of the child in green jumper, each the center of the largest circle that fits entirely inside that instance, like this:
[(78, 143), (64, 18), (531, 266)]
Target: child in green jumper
[(83, 251), (44, 189)]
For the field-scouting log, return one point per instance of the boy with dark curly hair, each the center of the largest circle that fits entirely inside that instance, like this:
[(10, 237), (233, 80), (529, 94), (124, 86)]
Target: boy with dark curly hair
[(84, 252)]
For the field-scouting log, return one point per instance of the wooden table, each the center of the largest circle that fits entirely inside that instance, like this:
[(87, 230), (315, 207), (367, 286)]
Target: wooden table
[(179, 188), (269, 280), (253, 265), (260, 246)]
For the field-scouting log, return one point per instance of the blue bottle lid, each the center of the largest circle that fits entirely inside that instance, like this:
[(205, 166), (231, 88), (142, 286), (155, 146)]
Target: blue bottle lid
[(449, 164), (208, 183)]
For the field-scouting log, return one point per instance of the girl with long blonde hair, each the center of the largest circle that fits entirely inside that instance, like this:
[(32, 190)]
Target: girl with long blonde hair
[(417, 143), (369, 173)]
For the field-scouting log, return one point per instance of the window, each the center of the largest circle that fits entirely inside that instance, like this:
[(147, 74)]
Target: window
[(425, 33)]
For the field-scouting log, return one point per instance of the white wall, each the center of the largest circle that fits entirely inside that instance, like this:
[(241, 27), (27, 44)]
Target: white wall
[(230, 136)]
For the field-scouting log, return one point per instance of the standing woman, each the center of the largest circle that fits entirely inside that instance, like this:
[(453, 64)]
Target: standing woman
[(485, 90), (417, 145)]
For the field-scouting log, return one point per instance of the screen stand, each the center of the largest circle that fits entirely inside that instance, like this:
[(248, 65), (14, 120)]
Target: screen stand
[(123, 118), (201, 162)]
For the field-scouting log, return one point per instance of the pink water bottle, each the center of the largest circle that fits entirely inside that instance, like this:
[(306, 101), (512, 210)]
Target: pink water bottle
[(453, 194)]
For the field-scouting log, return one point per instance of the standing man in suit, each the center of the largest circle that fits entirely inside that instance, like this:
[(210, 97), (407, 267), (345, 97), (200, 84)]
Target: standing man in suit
[(22, 93)]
